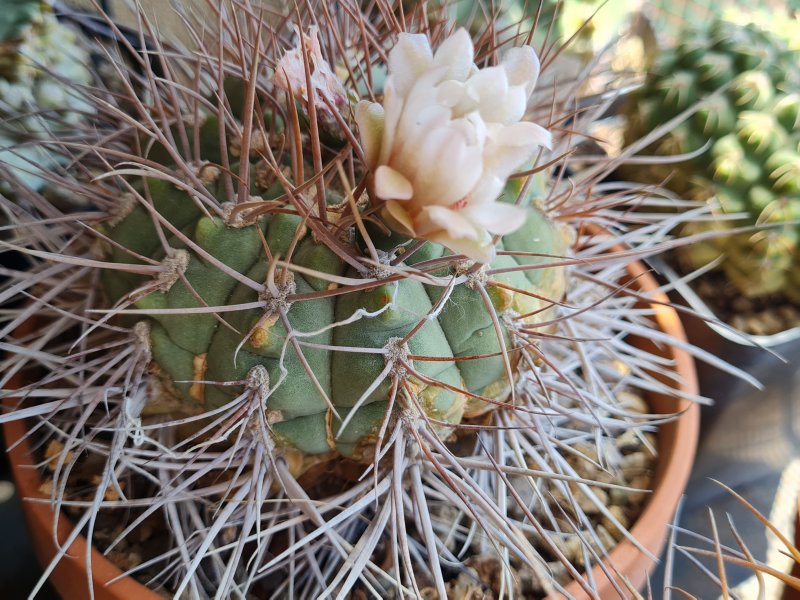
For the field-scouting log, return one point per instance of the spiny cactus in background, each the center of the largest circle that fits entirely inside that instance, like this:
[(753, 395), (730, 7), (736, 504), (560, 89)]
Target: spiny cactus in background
[(347, 341), (753, 164), (40, 63), (17, 14)]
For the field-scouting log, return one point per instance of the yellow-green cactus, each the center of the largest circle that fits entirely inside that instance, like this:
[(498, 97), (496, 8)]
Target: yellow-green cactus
[(753, 164)]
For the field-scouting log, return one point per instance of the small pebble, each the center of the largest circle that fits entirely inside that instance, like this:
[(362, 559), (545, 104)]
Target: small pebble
[(742, 304), (635, 461), (755, 326), (606, 538), (641, 482), (572, 548), (739, 322), (629, 441), (633, 402), (619, 497), (589, 507), (619, 514), (789, 314), (584, 451), (6, 491), (771, 321), (583, 501)]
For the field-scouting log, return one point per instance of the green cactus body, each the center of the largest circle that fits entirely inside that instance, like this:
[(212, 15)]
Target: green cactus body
[(310, 397), (753, 164), (41, 62)]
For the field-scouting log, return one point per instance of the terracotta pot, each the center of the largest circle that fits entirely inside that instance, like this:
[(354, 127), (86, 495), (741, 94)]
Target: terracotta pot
[(676, 444), (69, 577)]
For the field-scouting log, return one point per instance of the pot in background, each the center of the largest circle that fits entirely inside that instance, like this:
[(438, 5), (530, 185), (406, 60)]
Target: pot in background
[(69, 577), (766, 357)]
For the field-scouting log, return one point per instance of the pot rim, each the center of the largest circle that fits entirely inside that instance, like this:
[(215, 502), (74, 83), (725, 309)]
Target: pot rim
[(730, 333), (40, 516), (673, 469)]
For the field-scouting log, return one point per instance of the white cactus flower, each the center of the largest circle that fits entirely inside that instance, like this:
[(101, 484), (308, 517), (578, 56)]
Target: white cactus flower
[(447, 137)]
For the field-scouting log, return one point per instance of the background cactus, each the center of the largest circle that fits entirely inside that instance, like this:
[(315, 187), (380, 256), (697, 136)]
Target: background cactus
[(234, 310), (41, 63), (752, 167)]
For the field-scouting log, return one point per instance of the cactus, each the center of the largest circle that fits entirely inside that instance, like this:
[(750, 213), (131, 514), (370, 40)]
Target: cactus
[(753, 164), (41, 62), (17, 14), (319, 330), (308, 389)]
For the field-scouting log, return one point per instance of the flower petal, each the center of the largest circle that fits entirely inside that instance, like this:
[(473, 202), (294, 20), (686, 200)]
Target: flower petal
[(507, 149), (511, 108), (451, 136), (486, 86), (370, 119), (392, 185), (290, 72), (523, 133), (497, 217), (522, 66), (441, 218), (393, 110), (444, 183), (487, 189), (398, 218), (480, 250), (450, 93), (410, 57), (422, 98), (456, 53)]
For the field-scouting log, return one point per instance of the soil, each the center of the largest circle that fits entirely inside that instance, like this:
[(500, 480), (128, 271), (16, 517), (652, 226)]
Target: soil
[(763, 315), (148, 540), (759, 315), (627, 460)]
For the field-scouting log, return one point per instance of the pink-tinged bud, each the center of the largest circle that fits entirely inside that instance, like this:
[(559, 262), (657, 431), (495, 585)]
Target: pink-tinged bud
[(290, 74)]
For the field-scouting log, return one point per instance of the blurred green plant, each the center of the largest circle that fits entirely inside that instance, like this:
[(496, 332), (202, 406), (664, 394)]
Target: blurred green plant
[(748, 82), (42, 66)]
